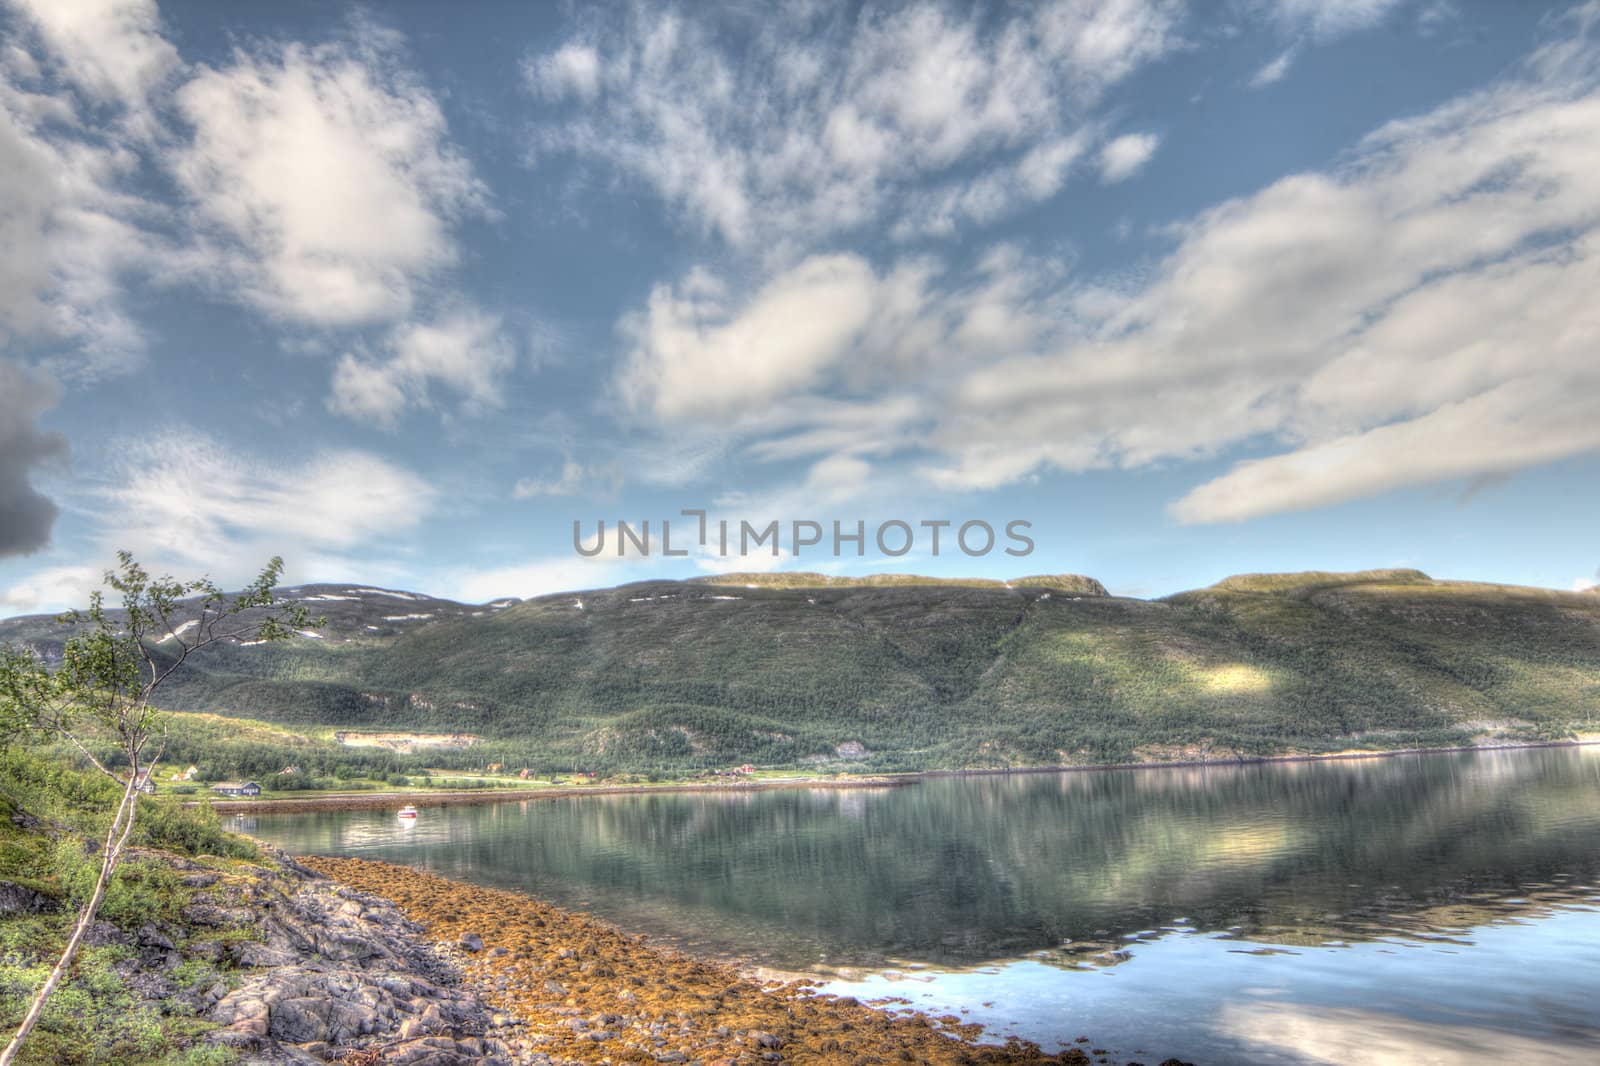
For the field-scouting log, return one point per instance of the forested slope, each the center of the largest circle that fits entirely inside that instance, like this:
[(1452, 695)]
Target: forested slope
[(906, 672)]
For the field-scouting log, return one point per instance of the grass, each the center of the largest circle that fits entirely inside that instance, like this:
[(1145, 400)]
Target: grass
[(49, 815)]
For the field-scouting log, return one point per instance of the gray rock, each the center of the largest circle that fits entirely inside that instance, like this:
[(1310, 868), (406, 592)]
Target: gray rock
[(249, 953), (104, 934), (151, 936), (15, 899), (217, 917), (471, 942), (436, 1051), (337, 970)]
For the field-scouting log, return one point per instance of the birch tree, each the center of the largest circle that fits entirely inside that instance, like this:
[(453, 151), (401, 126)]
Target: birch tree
[(111, 669)]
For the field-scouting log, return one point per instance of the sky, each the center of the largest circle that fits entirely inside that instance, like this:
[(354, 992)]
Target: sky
[(408, 293)]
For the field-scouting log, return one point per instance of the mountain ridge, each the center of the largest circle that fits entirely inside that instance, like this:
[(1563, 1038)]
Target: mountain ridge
[(903, 672)]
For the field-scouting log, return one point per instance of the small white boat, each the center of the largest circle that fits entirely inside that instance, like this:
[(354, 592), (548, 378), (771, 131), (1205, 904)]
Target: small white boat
[(408, 813)]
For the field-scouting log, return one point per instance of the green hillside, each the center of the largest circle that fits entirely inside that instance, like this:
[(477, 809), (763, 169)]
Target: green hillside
[(904, 672)]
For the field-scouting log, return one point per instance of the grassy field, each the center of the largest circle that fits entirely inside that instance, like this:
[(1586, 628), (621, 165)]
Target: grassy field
[(814, 673)]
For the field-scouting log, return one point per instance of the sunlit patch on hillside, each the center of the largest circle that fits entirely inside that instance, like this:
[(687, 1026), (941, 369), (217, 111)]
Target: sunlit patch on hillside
[(1235, 679)]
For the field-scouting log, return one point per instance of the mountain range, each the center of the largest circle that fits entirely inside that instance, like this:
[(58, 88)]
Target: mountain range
[(907, 672)]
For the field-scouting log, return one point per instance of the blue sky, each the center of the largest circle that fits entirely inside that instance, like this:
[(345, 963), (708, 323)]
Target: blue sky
[(400, 292)]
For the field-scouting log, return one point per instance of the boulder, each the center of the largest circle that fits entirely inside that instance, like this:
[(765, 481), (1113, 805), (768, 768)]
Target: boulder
[(17, 899)]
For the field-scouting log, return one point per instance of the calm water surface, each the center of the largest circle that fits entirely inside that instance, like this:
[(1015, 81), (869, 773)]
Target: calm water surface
[(1441, 908)]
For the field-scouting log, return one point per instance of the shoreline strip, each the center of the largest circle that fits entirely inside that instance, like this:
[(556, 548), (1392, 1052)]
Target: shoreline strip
[(385, 800), (580, 990)]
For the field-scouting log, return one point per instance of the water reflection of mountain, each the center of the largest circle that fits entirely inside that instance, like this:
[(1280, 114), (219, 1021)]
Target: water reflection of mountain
[(959, 870)]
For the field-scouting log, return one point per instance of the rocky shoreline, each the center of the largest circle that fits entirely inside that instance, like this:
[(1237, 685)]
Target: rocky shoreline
[(290, 962), (284, 967), (567, 988), (332, 974)]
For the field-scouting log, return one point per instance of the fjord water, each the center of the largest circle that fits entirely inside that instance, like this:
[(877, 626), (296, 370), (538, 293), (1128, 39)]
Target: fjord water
[(1434, 908)]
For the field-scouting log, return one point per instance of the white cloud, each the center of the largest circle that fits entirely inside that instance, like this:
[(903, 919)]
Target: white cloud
[(1035, 176), (822, 121), (572, 68), (71, 229), (326, 177), (570, 572), (1521, 423), (1437, 16), (1327, 19), (1418, 313), (111, 50), (322, 187), (836, 479), (696, 357), (757, 562), (1273, 72), (181, 500), (68, 232), (1356, 316), (465, 352), (705, 355), (811, 426), (569, 482), (1124, 157), (56, 588), (27, 183)]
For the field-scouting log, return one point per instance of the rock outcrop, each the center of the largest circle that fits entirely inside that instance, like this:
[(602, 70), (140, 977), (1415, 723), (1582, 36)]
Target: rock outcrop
[(330, 974)]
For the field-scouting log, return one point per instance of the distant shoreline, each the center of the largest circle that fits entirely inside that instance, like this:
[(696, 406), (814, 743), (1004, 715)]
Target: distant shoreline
[(384, 800), (1256, 760), (357, 801)]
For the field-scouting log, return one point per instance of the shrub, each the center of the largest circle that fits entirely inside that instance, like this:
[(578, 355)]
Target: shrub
[(190, 831)]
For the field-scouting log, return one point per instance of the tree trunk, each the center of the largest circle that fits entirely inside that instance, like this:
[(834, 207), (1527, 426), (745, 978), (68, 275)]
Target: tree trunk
[(116, 837)]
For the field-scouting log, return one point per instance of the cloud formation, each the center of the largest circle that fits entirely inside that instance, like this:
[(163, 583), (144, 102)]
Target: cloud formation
[(1419, 312), (69, 230), (1124, 157), (1441, 275), (818, 123), (465, 352), (327, 178), (1274, 72), (572, 479), (695, 358), (185, 501), (317, 185), (26, 515), (111, 51), (1325, 19)]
